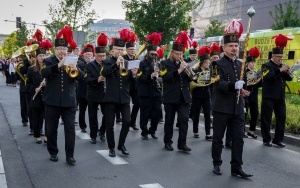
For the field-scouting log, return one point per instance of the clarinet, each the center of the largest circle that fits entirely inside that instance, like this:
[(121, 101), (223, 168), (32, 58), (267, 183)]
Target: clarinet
[(40, 87)]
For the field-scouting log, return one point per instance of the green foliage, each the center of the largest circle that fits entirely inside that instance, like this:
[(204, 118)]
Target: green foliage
[(166, 16), (215, 28), (78, 14), (10, 46), (22, 35), (288, 17)]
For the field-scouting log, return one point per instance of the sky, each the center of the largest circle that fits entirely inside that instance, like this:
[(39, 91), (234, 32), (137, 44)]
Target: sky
[(26, 9)]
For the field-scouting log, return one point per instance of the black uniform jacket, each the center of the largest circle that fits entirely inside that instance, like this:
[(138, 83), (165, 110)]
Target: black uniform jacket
[(273, 85), (253, 90), (147, 87), (225, 95), (33, 82), (82, 86), (201, 92), (23, 71), (117, 87), (60, 88), (95, 89), (175, 86)]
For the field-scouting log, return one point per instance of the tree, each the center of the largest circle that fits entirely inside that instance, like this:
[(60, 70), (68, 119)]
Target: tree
[(286, 18), (215, 28), (166, 16), (22, 35), (78, 14), (10, 46)]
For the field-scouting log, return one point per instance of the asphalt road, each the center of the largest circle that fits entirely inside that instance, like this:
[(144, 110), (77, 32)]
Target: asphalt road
[(26, 164)]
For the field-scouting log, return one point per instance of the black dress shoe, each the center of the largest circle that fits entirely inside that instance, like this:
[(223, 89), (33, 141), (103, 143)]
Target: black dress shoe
[(217, 170), (184, 148), (240, 172), (53, 158), (145, 137), (70, 160), (25, 124), (123, 150), (196, 135), (38, 141), (119, 120), (102, 137), (252, 135), (169, 147), (279, 144), (112, 153), (93, 141), (83, 130), (154, 136), (134, 127), (228, 145), (268, 144), (208, 137)]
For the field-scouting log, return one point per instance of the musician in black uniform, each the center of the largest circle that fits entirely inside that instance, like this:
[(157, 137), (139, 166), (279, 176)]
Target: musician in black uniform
[(117, 95), (275, 75), (252, 100), (133, 91), (201, 95), (226, 110), (149, 91), (36, 85), (87, 54), (96, 89), (176, 96), (60, 100)]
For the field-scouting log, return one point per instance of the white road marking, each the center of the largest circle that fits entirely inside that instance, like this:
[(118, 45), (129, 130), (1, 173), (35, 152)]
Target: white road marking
[(3, 183), (114, 160), (83, 136), (1, 166), (153, 185)]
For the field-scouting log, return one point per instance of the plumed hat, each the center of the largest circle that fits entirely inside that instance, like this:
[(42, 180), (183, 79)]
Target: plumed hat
[(233, 32), (182, 42), (193, 49), (154, 40), (280, 42), (160, 53), (253, 54), (44, 46), (203, 53), (64, 37), (88, 48), (102, 42), (214, 49)]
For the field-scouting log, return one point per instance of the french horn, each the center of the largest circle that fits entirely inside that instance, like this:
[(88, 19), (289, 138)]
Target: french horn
[(253, 77)]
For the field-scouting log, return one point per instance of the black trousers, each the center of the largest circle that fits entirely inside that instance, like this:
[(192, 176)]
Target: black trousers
[(135, 107), (110, 111), (236, 122), (183, 118), (253, 107), (52, 115), (93, 118), (23, 107), (28, 98), (82, 102), (196, 106), (150, 109), (267, 108), (38, 121)]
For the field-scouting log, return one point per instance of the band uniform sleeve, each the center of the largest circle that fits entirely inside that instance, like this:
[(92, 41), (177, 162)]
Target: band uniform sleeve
[(223, 84), (109, 68), (268, 73), (146, 73), (49, 69), (90, 78)]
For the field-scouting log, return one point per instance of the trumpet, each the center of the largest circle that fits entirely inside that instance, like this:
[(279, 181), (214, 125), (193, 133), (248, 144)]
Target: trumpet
[(288, 71), (123, 71), (189, 72), (71, 71)]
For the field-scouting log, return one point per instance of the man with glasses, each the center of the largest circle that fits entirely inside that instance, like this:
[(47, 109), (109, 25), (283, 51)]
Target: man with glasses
[(60, 101), (275, 75)]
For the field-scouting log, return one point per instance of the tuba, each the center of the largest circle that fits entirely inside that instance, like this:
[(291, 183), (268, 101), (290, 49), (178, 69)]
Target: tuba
[(18, 53), (253, 77), (30, 50), (141, 50)]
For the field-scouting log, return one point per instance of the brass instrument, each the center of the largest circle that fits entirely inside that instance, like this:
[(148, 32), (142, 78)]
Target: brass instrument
[(123, 70), (18, 53), (288, 72), (141, 50), (253, 77), (71, 71), (31, 50)]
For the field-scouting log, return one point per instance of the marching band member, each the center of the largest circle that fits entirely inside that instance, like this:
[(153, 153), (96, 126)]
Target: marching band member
[(59, 96), (96, 89), (275, 75), (192, 53), (149, 89), (201, 95), (226, 111), (117, 95), (176, 95)]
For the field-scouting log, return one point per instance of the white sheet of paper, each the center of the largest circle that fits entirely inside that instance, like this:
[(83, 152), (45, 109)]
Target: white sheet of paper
[(133, 64), (71, 60)]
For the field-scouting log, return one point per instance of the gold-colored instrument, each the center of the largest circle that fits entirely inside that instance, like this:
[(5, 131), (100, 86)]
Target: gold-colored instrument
[(19, 52), (253, 77), (30, 50), (141, 50), (71, 71), (122, 69)]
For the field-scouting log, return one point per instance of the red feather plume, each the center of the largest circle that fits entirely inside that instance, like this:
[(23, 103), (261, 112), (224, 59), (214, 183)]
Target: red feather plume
[(38, 35), (125, 34), (66, 33), (184, 39), (160, 53), (281, 40), (204, 50), (102, 39), (28, 43), (132, 37), (46, 44), (112, 40), (254, 52), (88, 46), (235, 27), (214, 47), (72, 44), (154, 38), (194, 44)]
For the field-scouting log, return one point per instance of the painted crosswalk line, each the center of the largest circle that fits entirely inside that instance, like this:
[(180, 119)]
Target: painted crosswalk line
[(153, 185), (114, 160), (83, 136)]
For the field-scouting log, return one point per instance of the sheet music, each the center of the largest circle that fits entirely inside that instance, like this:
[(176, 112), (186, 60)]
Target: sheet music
[(133, 64), (71, 59)]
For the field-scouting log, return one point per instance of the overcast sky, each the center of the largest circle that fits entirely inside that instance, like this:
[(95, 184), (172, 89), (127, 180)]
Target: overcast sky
[(26, 9)]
